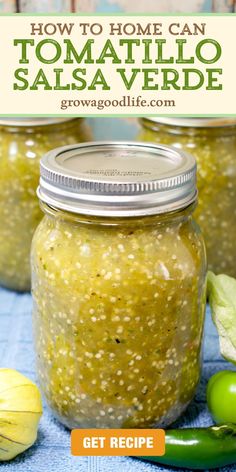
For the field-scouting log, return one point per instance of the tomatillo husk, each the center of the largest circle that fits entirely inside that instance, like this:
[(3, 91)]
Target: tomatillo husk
[(20, 412)]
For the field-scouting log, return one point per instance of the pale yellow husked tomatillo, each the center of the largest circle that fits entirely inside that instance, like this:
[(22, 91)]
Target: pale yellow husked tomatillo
[(20, 412)]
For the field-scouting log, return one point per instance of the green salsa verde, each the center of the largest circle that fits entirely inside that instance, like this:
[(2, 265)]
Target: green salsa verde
[(118, 311), (22, 144), (213, 143)]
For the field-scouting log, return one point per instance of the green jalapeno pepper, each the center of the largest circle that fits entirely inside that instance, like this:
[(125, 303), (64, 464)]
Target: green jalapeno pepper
[(199, 448)]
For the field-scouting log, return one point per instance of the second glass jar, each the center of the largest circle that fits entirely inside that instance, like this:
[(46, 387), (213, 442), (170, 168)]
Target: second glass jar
[(22, 143), (213, 144)]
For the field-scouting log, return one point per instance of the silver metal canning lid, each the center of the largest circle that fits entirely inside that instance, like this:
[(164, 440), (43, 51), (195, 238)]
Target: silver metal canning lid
[(193, 122), (117, 179), (32, 121)]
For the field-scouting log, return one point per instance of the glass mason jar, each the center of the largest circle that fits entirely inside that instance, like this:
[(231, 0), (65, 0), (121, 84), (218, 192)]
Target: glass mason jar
[(212, 141), (118, 283), (22, 144)]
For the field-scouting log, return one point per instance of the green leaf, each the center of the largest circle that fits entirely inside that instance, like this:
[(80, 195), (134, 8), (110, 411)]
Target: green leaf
[(222, 298)]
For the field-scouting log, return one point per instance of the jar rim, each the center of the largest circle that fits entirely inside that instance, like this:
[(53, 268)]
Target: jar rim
[(120, 179), (194, 122), (31, 122)]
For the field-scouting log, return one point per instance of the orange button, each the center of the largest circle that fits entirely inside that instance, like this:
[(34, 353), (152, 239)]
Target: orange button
[(118, 442)]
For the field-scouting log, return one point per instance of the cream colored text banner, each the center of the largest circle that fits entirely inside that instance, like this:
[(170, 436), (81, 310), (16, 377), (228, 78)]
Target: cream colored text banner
[(117, 65)]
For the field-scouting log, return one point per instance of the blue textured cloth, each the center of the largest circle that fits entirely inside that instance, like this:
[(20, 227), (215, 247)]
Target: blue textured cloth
[(51, 452)]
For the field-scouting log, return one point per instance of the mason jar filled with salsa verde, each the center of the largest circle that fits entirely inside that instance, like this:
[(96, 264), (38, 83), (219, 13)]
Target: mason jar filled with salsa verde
[(23, 141), (212, 141), (118, 283)]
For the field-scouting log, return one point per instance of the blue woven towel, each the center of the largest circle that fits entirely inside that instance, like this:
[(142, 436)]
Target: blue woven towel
[(51, 453)]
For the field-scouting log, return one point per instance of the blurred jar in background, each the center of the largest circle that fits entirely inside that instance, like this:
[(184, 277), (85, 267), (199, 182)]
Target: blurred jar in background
[(23, 141), (212, 141)]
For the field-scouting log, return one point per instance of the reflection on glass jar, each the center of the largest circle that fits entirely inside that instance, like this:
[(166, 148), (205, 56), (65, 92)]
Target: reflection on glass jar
[(22, 144), (118, 278), (213, 144)]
